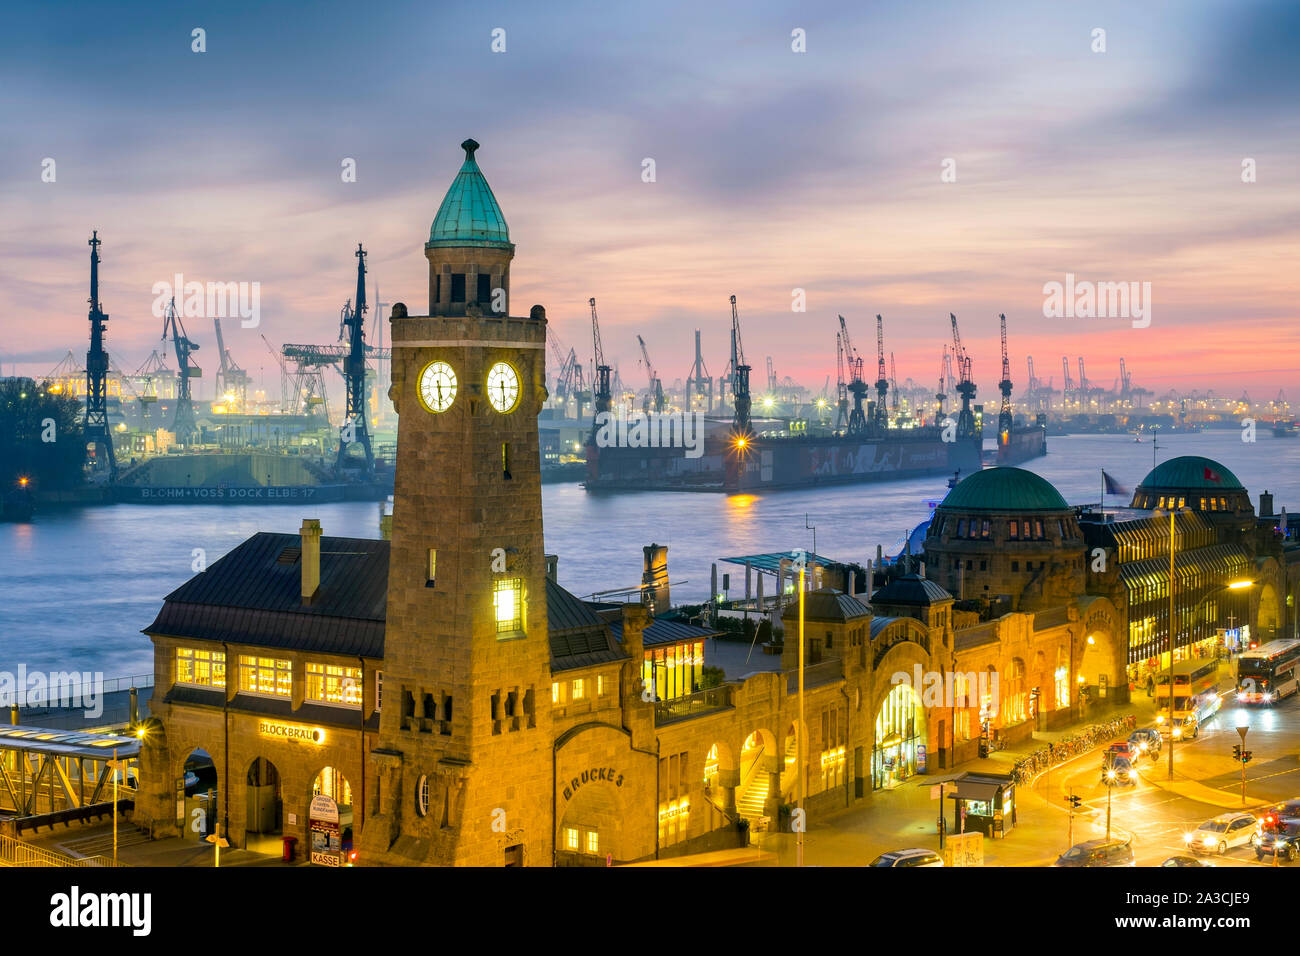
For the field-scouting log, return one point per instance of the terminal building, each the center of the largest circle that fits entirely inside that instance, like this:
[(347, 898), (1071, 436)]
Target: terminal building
[(454, 705)]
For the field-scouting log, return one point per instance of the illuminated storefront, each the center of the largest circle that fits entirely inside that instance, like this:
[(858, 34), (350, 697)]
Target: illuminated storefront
[(676, 669), (900, 730)]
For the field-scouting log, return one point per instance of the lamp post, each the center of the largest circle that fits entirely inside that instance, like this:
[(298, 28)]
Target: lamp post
[(801, 733), (1110, 789)]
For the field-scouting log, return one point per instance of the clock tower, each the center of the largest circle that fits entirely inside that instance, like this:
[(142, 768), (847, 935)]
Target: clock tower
[(462, 772)]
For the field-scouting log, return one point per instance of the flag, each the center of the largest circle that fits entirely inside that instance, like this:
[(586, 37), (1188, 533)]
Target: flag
[(1113, 487), (1212, 475)]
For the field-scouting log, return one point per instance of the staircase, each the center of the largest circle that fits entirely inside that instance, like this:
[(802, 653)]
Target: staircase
[(751, 802), (790, 768)]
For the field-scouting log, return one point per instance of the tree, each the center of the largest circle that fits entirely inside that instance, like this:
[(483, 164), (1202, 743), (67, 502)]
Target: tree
[(40, 436)]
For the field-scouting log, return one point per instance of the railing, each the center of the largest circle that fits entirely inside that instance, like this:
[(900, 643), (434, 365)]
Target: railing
[(823, 672), (692, 705), (749, 774), (17, 853), (73, 689)]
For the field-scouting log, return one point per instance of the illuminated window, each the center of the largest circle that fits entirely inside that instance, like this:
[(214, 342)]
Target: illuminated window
[(433, 567), (593, 842), (1182, 502), (1015, 529), (600, 685), (571, 838), (332, 684), (578, 689), (379, 688), (1062, 687), (265, 675), (200, 667), (507, 598), (558, 692)]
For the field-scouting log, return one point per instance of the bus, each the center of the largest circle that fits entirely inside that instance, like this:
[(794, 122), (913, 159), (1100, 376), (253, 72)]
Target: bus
[(1267, 673), (1195, 693)]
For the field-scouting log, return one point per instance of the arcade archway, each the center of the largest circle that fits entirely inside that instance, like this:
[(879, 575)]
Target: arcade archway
[(900, 731), (591, 830), (263, 823)]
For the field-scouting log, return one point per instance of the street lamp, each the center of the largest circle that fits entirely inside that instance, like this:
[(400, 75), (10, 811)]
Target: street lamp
[(1111, 777)]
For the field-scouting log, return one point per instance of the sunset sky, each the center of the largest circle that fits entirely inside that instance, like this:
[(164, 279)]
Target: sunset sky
[(775, 170)]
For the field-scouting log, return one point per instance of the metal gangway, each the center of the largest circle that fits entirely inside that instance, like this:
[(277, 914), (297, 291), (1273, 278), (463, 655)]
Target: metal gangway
[(62, 776)]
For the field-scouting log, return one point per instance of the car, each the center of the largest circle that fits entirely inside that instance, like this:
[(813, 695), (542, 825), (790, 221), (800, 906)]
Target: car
[(1122, 768), (1226, 831), (1120, 748), (1098, 852), (1146, 740), (910, 857), (1279, 838), (1186, 861)]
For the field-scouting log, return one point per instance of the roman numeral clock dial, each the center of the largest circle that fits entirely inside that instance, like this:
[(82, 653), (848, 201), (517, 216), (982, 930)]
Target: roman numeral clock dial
[(503, 387), (437, 386)]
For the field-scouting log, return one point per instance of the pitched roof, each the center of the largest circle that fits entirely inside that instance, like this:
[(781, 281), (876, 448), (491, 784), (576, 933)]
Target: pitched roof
[(910, 589), (253, 595), (662, 631)]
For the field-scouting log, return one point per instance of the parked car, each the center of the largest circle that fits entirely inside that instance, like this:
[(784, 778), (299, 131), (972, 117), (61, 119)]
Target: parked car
[(1146, 740), (1186, 861), (1099, 852), (912, 857), (1226, 831)]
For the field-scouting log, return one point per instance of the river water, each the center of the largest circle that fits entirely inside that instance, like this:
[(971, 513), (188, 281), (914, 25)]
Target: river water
[(77, 585)]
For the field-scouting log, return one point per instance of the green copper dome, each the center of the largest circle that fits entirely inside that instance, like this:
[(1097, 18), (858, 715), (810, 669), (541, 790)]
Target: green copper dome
[(1191, 472), (1004, 491), (469, 214)]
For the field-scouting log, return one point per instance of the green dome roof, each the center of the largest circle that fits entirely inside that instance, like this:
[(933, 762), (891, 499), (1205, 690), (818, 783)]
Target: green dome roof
[(1004, 490), (469, 214), (1191, 472)]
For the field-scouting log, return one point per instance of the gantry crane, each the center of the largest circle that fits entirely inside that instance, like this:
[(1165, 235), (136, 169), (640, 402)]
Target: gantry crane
[(880, 414), (183, 422), (655, 393), (698, 383), (857, 423), (1068, 388), (95, 430), (1004, 386)]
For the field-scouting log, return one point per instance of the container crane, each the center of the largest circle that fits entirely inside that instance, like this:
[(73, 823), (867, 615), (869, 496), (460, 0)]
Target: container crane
[(893, 384), (857, 423), (183, 422), (655, 393), (1068, 387), (699, 386), (1004, 386)]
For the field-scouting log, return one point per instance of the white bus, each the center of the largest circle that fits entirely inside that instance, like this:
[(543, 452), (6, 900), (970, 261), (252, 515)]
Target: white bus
[(1267, 673), (1196, 696)]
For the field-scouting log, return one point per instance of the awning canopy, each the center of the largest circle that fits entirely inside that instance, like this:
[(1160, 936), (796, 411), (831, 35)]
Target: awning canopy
[(771, 563), (977, 790)]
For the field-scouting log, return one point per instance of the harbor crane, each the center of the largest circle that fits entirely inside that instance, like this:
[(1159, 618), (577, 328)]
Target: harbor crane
[(941, 396), (601, 385), (857, 423), (893, 385), (355, 432), (183, 423), (841, 386), (1004, 386), (739, 380), (965, 387), (1067, 389), (102, 460), (655, 393), (699, 386), (880, 414), (231, 380)]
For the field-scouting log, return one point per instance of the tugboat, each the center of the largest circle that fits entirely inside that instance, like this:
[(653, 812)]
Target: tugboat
[(17, 504), (1286, 429)]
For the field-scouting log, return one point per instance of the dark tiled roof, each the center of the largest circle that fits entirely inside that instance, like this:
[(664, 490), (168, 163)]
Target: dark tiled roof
[(827, 604), (666, 632), (251, 596), (910, 589)]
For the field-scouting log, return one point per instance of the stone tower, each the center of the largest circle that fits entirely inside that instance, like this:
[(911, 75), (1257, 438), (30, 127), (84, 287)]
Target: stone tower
[(462, 773)]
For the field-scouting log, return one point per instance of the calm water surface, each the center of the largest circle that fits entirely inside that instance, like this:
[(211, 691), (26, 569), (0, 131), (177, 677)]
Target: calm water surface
[(77, 585)]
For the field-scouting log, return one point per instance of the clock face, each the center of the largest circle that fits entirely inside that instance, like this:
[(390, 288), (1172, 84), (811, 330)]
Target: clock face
[(503, 387), (437, 386)]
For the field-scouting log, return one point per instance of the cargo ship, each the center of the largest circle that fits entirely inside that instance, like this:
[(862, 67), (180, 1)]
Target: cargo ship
[(1022, 442)]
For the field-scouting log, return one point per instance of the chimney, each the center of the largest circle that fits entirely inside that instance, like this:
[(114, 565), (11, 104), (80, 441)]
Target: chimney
[(552, 568), (1266, 504), (310, 532)]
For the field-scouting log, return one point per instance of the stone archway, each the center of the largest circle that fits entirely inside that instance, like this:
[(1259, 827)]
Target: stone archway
[(591, 829), (331, 782), (721, 779), (202, 794), (264, 822), (758, 794), (899, 738)]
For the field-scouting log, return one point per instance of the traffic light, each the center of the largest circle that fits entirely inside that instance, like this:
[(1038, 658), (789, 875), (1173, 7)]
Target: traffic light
[(1236, 752), (1074, 801), (1246, 755)]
